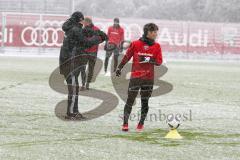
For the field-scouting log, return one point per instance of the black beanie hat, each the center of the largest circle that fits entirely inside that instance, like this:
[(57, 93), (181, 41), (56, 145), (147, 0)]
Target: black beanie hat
[(77, 16)]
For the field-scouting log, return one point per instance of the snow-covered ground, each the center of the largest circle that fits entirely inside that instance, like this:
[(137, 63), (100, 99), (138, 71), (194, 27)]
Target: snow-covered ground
[(48, 52), (205, 90)]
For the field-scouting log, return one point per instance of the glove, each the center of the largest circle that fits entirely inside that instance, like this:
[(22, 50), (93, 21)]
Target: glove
[(152, 60), (144, 59), (118, 72)]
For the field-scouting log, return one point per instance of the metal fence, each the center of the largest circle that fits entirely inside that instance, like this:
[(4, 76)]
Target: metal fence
[(38, 6)]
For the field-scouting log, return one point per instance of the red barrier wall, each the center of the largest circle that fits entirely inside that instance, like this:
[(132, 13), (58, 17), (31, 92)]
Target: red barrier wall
[(32, 30)]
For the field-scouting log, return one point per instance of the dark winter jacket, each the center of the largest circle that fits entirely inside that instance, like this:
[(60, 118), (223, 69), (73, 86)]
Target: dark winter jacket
[(75, 43)]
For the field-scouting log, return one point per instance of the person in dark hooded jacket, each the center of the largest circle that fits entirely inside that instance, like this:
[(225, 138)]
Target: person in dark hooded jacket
[(72, 58)]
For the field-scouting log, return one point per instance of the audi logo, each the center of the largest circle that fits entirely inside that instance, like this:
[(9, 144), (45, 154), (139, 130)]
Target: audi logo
[(49, 33), (40, 36)]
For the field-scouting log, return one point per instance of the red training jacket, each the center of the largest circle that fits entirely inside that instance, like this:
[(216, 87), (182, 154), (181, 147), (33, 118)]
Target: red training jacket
[(136, 50), (93, 49), (115, 35)]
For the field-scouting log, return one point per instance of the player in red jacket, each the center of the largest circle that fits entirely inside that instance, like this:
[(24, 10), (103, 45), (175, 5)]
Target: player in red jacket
[(115, 40), (91, 52), (145, 53)]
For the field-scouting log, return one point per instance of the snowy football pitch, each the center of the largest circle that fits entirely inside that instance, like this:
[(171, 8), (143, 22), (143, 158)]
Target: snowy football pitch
[(206, 92)]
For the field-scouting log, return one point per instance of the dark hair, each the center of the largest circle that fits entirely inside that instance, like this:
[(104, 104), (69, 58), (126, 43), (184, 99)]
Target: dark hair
[(149, 27), (116, 20)]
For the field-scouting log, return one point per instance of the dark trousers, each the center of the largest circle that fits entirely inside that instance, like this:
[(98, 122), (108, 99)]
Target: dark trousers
[(91, 61), (83, 75), (108, 55), (73, 68), (145, 87), (73, 90)]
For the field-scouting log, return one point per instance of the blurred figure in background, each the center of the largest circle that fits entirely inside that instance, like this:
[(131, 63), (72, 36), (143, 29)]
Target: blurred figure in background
[(114, 44), (91, 52)]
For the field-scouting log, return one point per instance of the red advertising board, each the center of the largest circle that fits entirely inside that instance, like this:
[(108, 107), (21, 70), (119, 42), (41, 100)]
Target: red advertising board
[(33, 30)]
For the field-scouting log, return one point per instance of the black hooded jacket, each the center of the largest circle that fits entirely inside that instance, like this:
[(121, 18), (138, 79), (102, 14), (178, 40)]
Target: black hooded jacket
[(74, 38)]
